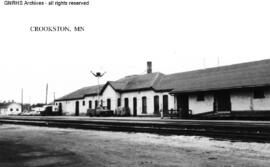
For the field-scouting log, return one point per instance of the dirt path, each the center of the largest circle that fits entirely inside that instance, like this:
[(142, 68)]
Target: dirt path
[(40, 146)]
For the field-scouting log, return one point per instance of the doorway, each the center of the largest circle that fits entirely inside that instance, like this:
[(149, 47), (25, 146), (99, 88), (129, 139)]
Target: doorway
[(183, 106), (109, 104), (156, 105), (222, 101), (144, 105), (126, 103), (77, 108), (60, 110), (165, 104), (134, 106)]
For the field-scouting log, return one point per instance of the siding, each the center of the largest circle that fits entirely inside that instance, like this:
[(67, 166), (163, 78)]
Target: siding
[(198, 107), (110, 93), (149, 98), (244, 101)]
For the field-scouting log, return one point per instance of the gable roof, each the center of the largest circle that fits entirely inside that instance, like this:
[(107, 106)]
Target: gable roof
[(129, 83), (81, 93), (242, 75), (137, 82)]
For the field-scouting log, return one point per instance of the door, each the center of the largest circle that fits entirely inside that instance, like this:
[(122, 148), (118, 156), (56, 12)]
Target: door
[(165, 104), (144, 105), (109, 104), (134, 106), (222, 101), (182, 105), (77, 109), (126, 103), (156, 104), (60, 110), (90, 104)]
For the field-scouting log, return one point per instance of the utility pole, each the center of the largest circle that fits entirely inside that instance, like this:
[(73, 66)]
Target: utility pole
[(98, 75), (22, 99), (53, 96), (46, 93)]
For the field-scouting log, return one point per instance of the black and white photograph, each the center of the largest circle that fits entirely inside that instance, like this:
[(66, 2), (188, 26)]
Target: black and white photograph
[(145, 83)]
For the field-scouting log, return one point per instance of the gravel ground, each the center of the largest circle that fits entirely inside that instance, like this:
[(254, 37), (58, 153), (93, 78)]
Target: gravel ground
[(53, 147)]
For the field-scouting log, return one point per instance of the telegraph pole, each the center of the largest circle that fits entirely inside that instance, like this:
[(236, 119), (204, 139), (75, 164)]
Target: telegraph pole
[(53, 96), (46, 93), (98, 75), (22, 99)]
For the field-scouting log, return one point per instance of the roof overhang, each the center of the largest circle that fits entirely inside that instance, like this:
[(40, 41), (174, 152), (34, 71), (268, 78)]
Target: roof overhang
[(217, 89)]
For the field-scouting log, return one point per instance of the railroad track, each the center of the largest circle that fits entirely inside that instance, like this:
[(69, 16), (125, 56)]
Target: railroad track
[(242, 131)]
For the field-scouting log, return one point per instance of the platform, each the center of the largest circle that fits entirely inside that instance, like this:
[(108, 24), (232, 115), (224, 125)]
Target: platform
[(234, 129)]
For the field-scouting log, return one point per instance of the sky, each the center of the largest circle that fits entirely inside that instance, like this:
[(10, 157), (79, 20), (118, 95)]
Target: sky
[(120, 37)]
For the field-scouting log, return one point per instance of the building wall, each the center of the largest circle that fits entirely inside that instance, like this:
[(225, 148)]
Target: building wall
[(12, 109), (68, 107), (83, 106), (87, 99), (240, 101), (198, 107), (110, 93), (244, 101), (149, 94)]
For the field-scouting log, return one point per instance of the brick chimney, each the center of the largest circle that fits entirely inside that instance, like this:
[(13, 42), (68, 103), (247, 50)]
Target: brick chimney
[(149, 67)]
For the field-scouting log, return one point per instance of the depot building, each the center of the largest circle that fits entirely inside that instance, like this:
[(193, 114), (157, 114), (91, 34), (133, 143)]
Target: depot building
[(240, 88)]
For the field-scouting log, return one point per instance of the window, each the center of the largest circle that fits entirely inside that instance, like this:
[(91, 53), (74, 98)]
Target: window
[(83, 103), (17, 109), (258, 93), (200, 97), (56, 104), (144, 105), (109, 104), (118, 102), (11, 109), (90, 104), (126, 103)]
